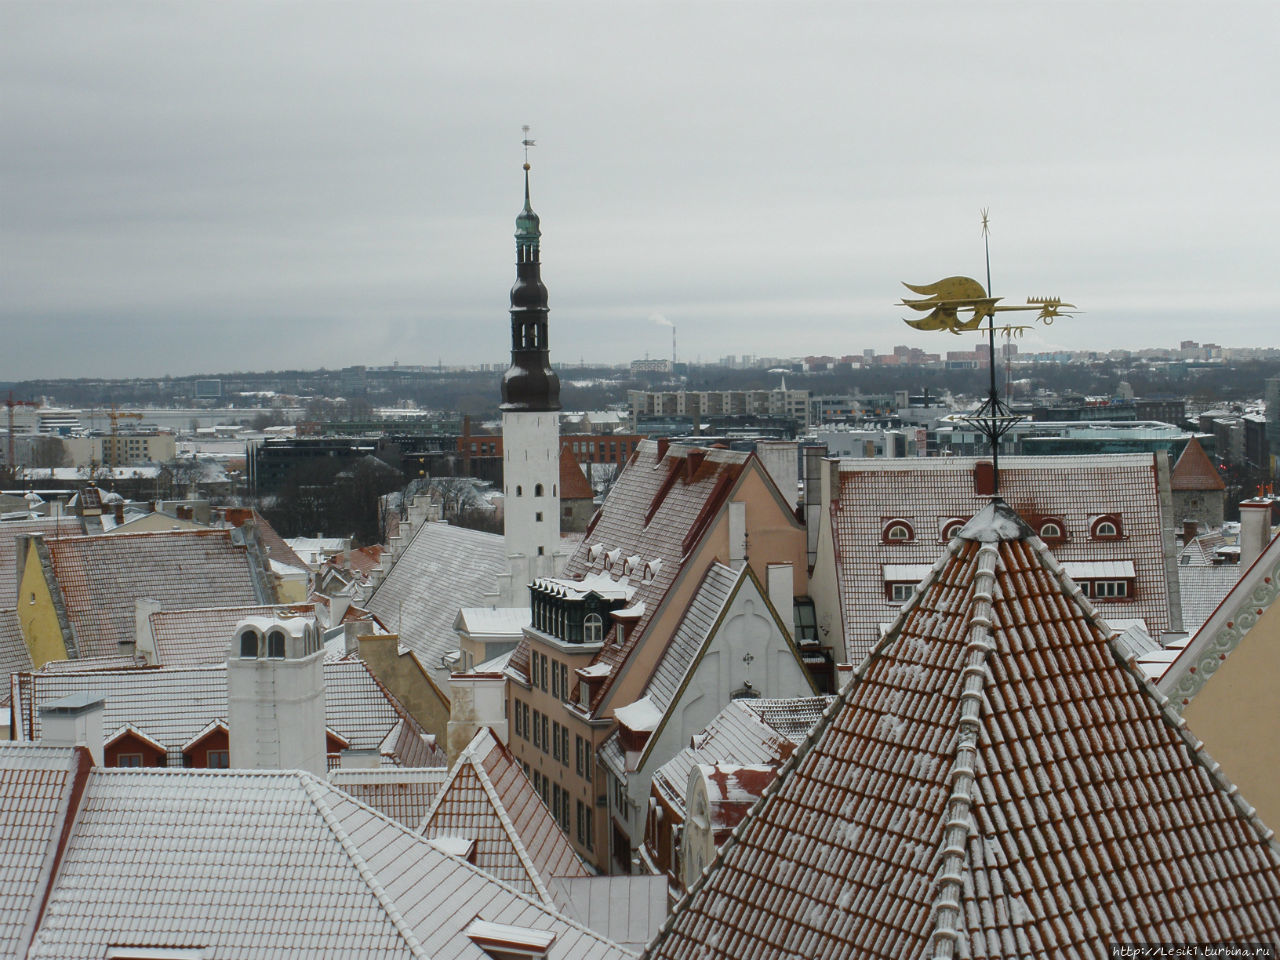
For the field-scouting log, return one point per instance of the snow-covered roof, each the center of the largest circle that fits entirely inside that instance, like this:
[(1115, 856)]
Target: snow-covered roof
[(488, 800), (642, 716), (294, 866), (493, 621), (994, 780)]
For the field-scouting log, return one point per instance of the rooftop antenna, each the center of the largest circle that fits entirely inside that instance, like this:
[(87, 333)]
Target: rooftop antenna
[(945, 299)]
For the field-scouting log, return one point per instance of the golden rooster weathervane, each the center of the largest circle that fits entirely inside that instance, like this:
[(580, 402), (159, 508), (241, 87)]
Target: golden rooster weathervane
[(959, 304)]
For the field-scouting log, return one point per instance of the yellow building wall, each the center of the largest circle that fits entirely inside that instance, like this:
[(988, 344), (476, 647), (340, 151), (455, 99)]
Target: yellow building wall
[(37, 614), (1235, 714)]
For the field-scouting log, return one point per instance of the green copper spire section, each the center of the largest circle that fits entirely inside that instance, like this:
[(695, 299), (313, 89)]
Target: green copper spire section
[(528, 226)]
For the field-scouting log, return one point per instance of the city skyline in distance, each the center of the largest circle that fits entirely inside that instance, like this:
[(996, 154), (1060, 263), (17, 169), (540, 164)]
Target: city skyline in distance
[(222, 187)]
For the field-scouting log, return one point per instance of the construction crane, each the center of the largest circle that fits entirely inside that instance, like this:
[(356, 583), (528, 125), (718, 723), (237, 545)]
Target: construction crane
[(116, 416), (11, 403)]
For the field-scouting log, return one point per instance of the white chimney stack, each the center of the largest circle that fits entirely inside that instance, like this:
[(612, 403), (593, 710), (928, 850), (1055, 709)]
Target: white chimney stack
[(1255, 529)]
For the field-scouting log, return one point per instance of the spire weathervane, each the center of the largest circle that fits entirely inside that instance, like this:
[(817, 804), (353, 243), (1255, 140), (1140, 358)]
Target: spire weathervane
[(946, 299), (527, 143)]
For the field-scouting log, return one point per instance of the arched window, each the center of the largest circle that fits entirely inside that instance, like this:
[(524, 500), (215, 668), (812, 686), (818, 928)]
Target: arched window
[(1050, 530), (275, 644), (1106, 528), (898, 531), (537, 489), (519, 492), (249, 645), (951, 528), (592, 628)]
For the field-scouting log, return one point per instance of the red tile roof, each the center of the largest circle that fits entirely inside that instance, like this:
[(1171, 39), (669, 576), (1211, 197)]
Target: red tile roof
[(574, 484), (275, 545), (661, 503), (994, 774), (101, 577), (1194, 470), (926, 493), (490, 801), (199, 635)]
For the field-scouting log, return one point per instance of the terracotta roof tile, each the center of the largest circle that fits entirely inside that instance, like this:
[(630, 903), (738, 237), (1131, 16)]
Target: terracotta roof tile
[(1194, 470), (926, 492), (198, 635), (993, 774), (14, 656), (574, 484), (101, 577), (490, 801), (658, 507), (405, 794), (10, 530)]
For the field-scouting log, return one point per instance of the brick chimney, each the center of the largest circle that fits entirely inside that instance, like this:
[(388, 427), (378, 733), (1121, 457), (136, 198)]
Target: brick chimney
[(984, 479)]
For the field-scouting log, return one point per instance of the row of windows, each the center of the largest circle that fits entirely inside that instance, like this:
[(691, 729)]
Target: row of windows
[(1108, 527), (1098, 589), (537, 491), (545, 734)]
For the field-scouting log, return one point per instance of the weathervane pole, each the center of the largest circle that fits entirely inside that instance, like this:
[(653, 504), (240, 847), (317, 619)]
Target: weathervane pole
[(944, 301)]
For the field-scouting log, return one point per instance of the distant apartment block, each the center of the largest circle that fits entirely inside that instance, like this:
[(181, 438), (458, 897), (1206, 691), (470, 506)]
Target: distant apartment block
[(703, 404)]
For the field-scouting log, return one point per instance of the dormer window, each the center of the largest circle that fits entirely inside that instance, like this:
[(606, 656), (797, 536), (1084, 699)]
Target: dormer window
[(1106, 527), (592, 628), (949, 527), (1052, 530), (897, 531)]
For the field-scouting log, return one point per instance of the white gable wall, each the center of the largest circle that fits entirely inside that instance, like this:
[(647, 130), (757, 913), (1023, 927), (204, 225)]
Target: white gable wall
[(747, 645)]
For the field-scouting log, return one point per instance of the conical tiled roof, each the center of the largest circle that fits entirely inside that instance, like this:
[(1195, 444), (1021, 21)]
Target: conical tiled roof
[(1194, 470), (995, 781)]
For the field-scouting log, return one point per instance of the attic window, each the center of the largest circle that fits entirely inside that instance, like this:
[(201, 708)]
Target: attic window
[(898, 531), (502, 941), (1106, 528), (1051, 530), (950, 527)]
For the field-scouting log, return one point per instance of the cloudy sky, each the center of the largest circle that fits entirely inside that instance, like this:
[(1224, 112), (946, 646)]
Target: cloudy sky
[(204, 187)]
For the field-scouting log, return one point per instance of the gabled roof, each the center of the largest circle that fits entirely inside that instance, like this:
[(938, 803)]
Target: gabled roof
[(101, 578), (37, 786), (443, 568), (1225, 627), (276, 547), (405, 794), (1194, 470), (574, 484), (292, 865), (1203, 587), (925, 492), (744, 732), (994, 781), (172, 704), (199, 635), (10, 530), (680, 658), (14, 655), (661, 504), (488, 800)]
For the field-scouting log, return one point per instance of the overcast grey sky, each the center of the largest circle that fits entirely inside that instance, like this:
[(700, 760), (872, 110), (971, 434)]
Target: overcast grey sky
[(200, 187)]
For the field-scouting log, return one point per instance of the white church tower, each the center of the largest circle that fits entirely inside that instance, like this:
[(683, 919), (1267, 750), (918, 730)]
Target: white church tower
[(530, 418)]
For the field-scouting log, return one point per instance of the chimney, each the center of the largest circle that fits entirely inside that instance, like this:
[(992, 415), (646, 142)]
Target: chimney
[(1255, 529), (984, 479), (184, 513), (352, 632), (781, 585), (663, 446), (692, 461), (74, 721), (1190, 530), (118, 511)]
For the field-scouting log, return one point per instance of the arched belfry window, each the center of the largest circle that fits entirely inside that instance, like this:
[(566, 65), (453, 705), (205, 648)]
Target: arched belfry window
[(275, 644), (249, 645), (537, 490)]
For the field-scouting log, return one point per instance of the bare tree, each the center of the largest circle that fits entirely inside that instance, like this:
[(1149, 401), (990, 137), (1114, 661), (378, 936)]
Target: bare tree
[(46, 452)]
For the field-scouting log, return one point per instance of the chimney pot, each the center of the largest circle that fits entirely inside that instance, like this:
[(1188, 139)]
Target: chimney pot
[(984, 478)]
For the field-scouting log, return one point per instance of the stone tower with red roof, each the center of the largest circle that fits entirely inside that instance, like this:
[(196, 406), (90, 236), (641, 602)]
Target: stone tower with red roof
[(1198, 490)]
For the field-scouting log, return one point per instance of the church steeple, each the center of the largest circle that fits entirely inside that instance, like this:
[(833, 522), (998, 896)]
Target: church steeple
[(529, 383)]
